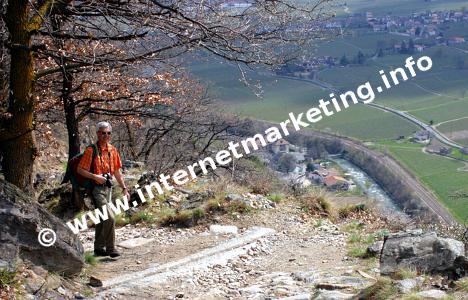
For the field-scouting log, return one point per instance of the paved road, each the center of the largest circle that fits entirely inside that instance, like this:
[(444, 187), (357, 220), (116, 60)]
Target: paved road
[(434, 132)]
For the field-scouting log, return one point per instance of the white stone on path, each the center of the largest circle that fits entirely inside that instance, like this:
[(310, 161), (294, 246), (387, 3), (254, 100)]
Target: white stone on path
[(432, 294), (333, 295), (223, 229), (133, 243)]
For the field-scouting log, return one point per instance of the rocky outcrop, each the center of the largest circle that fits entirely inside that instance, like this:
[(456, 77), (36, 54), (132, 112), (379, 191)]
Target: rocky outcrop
[(374, 249), (425, 252), (21, 220), (255, 201)]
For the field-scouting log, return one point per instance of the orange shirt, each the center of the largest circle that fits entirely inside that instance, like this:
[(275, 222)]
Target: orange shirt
[(107, 160)]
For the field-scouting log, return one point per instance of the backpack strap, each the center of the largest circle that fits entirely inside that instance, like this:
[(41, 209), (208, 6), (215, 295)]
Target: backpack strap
[(93, 157)]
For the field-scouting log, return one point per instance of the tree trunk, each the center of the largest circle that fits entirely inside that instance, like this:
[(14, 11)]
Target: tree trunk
[(70, 115), (131, 140), (18, 146)]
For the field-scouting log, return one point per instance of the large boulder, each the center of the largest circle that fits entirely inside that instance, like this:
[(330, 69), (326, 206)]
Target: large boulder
[(21, 221), (425, 252)]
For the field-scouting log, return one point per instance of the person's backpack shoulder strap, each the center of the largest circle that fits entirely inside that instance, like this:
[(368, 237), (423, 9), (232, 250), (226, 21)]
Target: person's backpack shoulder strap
[(95, 152)]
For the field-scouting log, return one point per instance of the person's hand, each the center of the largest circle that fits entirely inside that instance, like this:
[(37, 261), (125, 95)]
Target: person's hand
[(100, 179), (126, 194)]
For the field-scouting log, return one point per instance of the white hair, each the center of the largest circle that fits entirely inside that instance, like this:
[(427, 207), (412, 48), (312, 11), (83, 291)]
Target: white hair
[(103, 124)]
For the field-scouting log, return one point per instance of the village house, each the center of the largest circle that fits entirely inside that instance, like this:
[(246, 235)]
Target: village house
[(334, 182), (422, 136), (419, 48), (455, 40), (280, 146)]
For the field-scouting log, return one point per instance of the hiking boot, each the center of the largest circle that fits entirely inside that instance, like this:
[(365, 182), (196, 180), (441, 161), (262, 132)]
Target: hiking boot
[(100, 252), (113, 253)]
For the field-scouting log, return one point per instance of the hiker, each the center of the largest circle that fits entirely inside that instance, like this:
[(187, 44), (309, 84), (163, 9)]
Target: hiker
[(106, 164)]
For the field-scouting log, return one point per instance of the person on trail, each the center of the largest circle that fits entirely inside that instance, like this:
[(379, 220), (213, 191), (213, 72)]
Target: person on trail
[(101, 170)]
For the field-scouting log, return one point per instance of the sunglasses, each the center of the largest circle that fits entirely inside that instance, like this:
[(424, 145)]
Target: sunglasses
[(105, 132)]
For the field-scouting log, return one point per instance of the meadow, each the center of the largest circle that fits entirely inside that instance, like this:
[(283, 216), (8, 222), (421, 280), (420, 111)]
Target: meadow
[(446, 177), (383, 7)]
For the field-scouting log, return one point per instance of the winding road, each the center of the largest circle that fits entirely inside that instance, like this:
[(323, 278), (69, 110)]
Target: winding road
[(434, 132)]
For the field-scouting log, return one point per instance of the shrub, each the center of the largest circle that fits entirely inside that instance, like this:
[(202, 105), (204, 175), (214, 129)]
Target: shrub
[(90, 258), (121, 220), (462, 285), (7, 278), (238, 207), (382, 233), (404, 273), (184, 218), (358, 251), (275, 197), (383, 289), (345, 211), (317, 205), (353, 226), (142, 216), (355, 238)]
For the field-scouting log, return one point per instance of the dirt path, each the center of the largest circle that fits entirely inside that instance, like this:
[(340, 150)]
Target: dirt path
[(290, 262)]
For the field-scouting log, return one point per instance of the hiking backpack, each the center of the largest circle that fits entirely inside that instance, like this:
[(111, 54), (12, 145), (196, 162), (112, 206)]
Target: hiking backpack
[(71, 174)]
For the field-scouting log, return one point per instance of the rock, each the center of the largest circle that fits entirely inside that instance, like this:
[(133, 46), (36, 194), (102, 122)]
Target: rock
[(133, 243), (195, 200), (407, 285), (33, 283), (52, 282), (79, 296), (8, 254), (375, 249), (254, 289), (22, 219), (333, 295), (172, 201), (460, 268), (305, 296), (422, 251), (234, 197), (341, 282), (95, 282), (62, 291), (432, 294), (223, 229)]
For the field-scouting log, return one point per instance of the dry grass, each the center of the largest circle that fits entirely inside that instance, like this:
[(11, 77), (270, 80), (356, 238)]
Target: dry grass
[(462, 285), (404, 273), (383, 289), (184, 218), (316, 202), (348, 210)]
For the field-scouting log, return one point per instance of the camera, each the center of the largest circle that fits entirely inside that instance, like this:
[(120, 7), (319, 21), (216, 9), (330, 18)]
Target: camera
[(108, 177)]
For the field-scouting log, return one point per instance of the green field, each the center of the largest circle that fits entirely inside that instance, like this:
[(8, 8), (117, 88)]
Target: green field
[(444, 176), (383, 7), (440, 94), (450, 129), (282, 96)]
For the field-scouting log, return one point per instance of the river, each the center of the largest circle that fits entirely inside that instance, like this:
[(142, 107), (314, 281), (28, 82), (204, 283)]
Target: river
[(371, 188)]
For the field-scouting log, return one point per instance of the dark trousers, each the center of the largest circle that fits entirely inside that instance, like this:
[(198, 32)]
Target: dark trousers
[(105, 230)]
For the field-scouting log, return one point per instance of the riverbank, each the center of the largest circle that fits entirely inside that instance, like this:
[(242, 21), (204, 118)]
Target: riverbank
[(408, 192)]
